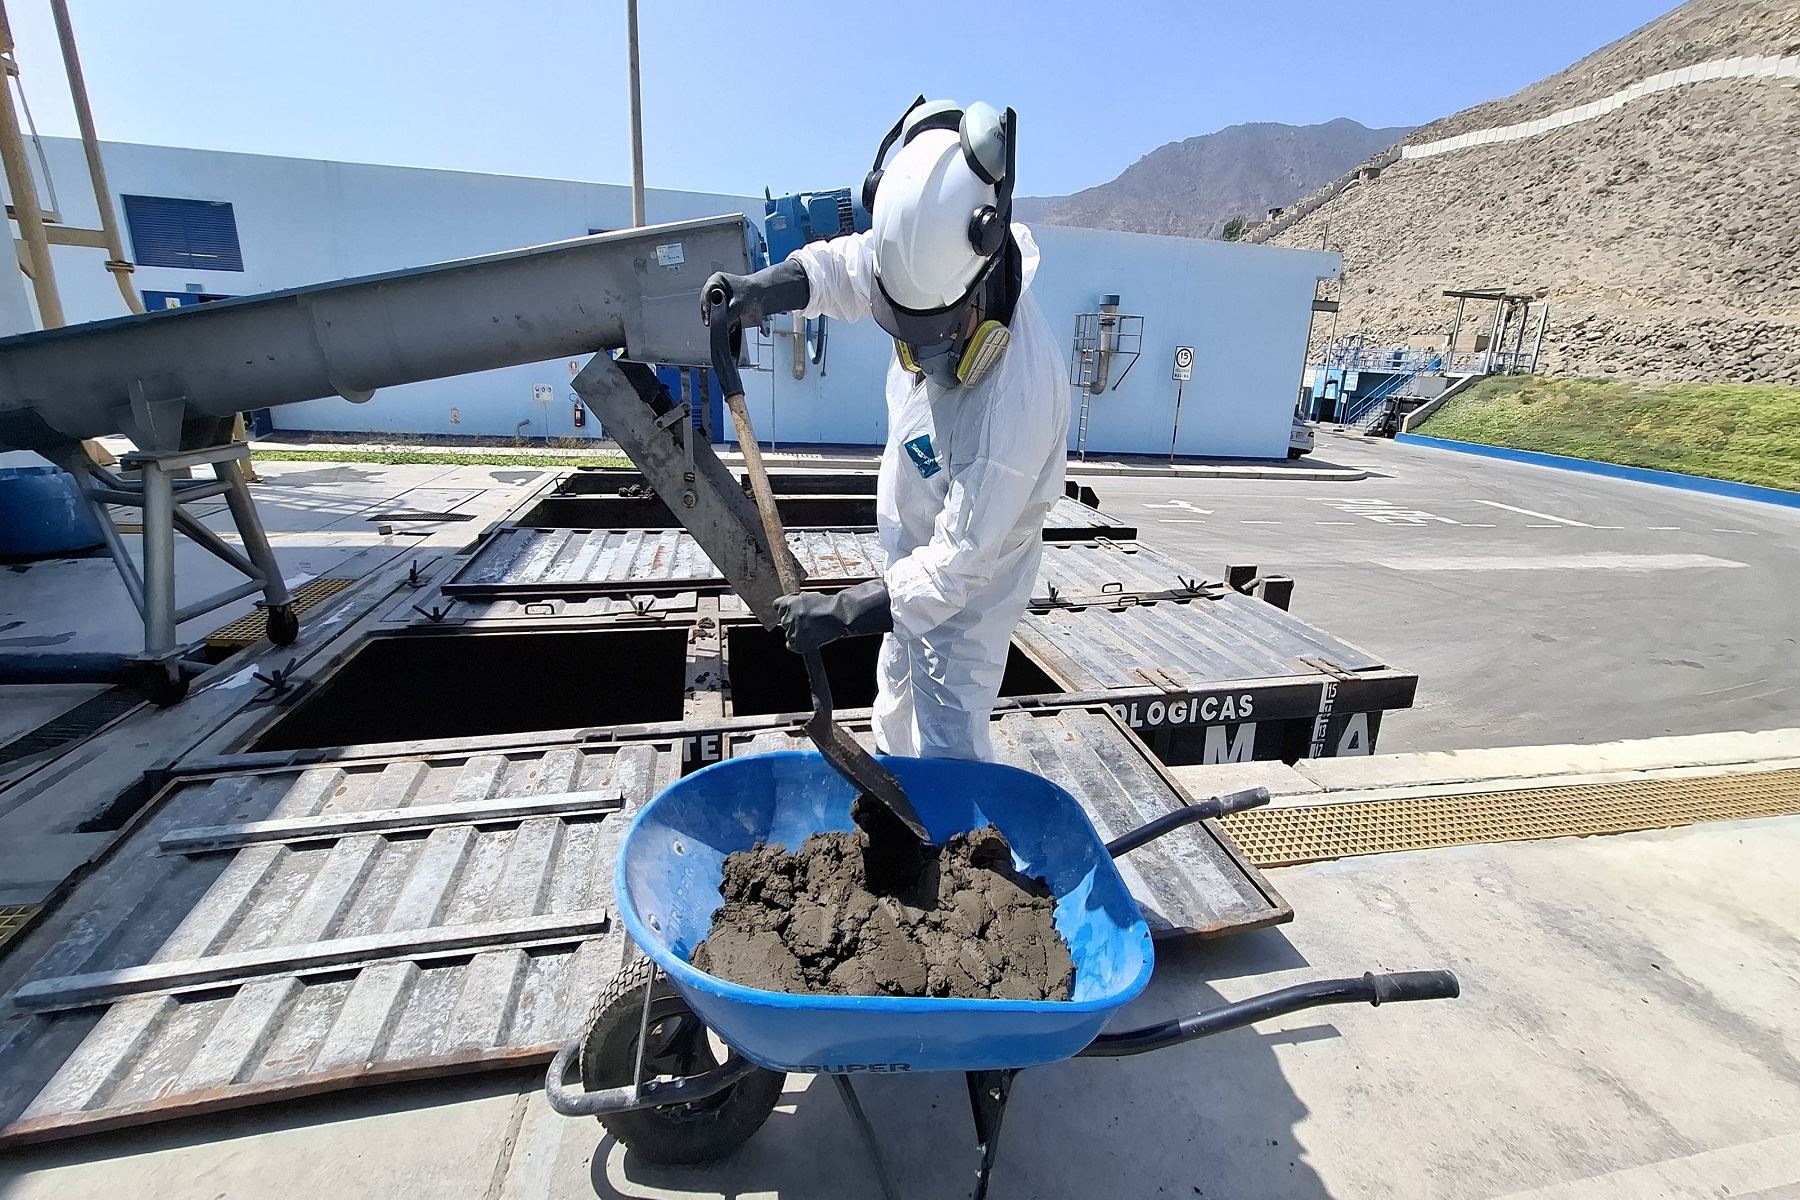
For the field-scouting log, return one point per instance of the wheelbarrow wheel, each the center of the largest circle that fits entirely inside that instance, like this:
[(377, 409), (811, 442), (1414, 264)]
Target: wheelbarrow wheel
[(678, 1044)]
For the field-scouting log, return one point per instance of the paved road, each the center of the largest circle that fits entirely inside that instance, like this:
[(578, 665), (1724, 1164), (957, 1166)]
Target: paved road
[(1536, 605)]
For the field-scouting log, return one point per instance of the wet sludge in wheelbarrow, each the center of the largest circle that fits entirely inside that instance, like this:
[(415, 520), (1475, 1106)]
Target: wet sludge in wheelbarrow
[(668, 888)]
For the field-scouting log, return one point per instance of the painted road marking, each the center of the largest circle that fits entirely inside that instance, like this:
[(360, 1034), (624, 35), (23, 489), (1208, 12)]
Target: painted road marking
[(1334, 522), (1181, 504), (1479, 526), (1385, 512), (1665, 529), (1526, 512), (1558, 562)]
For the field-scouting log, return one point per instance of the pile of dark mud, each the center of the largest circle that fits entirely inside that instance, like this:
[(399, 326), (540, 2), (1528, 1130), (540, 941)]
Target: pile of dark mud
[(970, 926)]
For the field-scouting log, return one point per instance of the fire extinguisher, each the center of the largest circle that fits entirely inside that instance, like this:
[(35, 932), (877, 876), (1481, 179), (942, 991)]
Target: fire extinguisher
[(580, 413)]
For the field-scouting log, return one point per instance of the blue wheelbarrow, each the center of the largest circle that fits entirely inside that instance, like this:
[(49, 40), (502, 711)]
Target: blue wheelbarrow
[(683, 1067)]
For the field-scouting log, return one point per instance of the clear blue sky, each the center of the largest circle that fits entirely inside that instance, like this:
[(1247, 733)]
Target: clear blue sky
[(537, 87)]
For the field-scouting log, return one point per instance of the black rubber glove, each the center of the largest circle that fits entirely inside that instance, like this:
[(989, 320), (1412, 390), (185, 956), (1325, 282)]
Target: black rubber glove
[(812, 619), (749, 298)]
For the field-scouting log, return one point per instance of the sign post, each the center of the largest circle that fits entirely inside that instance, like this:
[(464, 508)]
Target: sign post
[(1184, 371)]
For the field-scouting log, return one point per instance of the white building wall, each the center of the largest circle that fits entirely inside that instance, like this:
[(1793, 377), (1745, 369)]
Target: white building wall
[(1245, 309), (305, 221)]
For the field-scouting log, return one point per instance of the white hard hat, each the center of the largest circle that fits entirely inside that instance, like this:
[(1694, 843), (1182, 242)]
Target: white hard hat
[(942, 212), (923, 257)]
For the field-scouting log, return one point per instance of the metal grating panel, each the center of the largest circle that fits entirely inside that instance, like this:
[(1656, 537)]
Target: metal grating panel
[(270, 934), (1191, 881), (1189, 642), (82, 721), (573, 562), (1281, 837), (251, 626)]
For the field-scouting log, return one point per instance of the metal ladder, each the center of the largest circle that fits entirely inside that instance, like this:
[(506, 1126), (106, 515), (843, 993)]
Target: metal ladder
[(1081, 425)]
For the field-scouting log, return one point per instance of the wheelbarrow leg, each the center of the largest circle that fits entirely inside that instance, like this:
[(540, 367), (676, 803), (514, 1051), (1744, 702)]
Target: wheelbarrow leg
[(988, 1092), (854, 1105)]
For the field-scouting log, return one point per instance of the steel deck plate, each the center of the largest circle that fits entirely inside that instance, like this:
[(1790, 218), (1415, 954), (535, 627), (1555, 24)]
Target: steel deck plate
[(1070, 519), (1189, 882), (520, 562), (269, 934), (1187, 643), (1103, 570)]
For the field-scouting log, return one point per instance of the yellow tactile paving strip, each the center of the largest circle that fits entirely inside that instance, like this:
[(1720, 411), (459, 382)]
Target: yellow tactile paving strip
[(249, 628), (1284, 837), (13, 918)]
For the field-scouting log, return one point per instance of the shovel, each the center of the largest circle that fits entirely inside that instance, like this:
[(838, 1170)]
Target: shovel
[(898, 845)]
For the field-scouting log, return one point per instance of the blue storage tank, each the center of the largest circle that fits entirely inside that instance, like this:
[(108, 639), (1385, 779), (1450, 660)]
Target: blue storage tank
[(41, 513)]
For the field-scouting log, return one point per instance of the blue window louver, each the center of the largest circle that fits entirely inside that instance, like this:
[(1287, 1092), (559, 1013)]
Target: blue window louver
[(196, 234)]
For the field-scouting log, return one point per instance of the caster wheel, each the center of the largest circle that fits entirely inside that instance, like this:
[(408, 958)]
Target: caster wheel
[(282, 624), (679, 1044), (163, 685)]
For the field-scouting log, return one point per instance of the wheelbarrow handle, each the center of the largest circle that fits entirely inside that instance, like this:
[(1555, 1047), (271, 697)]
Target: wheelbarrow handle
[(1370, 989), (1200, 810)]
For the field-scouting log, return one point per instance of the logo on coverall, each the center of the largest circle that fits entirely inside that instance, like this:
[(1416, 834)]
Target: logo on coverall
[(923, 456)]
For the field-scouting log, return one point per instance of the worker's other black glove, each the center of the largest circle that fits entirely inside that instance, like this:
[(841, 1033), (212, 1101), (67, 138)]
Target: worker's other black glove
[(749, 298), (812, 619)]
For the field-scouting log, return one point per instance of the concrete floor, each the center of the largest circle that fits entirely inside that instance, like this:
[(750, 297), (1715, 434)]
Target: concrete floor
[(1627, 1029), (319, 520), (1535, 605), (1627, 1026)]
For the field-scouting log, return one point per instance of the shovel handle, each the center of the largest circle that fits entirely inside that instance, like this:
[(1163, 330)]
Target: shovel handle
[(787, 571)]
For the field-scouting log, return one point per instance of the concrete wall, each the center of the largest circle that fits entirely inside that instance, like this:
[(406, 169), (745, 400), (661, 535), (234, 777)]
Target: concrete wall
[(1244, 309)]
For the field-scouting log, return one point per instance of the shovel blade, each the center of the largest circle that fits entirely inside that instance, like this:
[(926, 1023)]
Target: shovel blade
[(857, 765), (898, 846)]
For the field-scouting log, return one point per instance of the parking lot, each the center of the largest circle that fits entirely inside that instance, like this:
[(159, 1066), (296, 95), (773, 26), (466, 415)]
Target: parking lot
[(1536, 606)]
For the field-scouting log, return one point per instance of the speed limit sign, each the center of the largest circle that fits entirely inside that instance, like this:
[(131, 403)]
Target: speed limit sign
[(1184, 363)]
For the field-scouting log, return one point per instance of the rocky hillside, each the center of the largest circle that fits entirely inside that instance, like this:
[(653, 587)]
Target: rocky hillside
[(1193, 187), (1665, 235)]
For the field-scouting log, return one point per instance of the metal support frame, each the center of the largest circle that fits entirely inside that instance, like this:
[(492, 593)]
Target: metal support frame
[(988, 1094), (161, 495), (871, 1143), (1537, 339), (33, 246)]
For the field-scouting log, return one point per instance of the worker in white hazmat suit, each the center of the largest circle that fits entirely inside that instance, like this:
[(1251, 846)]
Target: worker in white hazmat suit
[(977, 412)]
